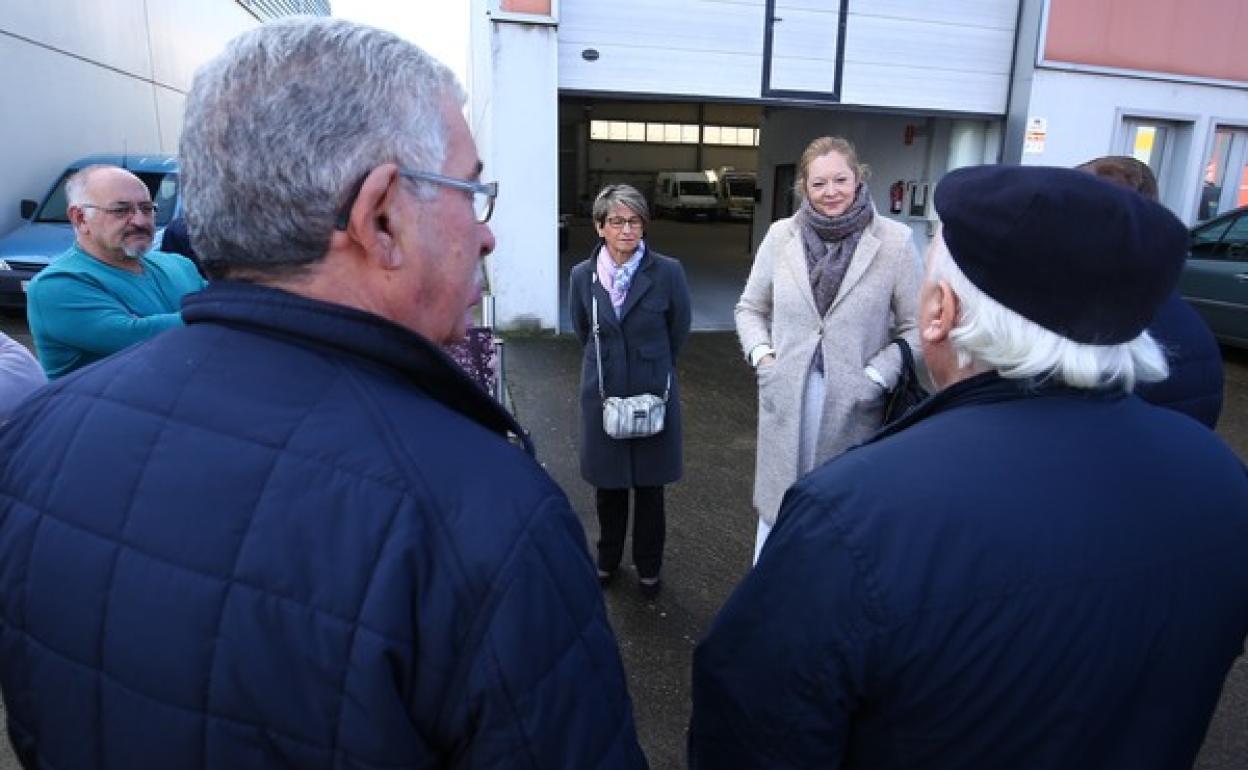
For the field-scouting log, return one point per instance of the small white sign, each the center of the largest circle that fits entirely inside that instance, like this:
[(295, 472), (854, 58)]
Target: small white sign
[(1037, 132)]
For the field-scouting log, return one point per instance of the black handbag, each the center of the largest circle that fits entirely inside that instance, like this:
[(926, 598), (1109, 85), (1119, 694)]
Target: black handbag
[(908, 391)]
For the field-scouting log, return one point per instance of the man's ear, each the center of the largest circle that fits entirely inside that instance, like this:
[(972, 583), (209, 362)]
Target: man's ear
[(938, 311), (369, 221), (77, 216)]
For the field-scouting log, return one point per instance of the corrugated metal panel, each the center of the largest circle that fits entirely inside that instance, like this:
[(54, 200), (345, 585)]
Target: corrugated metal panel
[(950, 55), (703, 48), (275, 9)]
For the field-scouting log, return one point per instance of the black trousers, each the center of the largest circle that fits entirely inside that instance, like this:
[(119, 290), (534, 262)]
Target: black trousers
[(649, 529)]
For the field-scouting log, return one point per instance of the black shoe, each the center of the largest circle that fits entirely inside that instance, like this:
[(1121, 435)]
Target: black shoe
[(605, 577), (649, 587)]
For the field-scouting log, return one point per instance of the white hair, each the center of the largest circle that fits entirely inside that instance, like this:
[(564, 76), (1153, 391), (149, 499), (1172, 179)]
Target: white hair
[(990, 334), (282, 126), (76, 185)]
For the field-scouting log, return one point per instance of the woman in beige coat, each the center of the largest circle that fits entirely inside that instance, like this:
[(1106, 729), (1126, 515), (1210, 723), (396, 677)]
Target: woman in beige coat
[(831, 286)]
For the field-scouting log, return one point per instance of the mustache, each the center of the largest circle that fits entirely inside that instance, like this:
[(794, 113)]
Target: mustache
[(139, 230)]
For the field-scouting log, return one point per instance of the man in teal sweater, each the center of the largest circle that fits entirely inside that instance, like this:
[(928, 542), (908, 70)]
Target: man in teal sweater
[(109, 290)]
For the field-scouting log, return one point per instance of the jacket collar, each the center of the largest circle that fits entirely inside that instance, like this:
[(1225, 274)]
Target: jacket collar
[(986, 388), (347, 331)]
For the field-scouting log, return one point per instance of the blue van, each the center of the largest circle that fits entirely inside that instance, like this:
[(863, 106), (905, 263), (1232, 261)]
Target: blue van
[(46, 233)]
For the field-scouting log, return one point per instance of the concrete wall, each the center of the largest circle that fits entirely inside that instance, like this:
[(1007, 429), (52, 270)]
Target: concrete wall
[(514, 116), (79, 77), (1077, 135)]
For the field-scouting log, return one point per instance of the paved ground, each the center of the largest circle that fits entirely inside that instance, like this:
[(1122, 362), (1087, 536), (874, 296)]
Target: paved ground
[(711, 526)]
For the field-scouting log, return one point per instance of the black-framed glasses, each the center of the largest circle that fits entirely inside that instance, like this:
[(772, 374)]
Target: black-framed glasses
[(619, 223), (483, 194), (126, 210)]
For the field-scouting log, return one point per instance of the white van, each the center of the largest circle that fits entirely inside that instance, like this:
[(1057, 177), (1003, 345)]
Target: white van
[(736, 193), (686, 194)]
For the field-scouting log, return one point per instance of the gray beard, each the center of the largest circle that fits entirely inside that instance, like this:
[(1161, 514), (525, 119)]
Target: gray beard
[(136, 252)]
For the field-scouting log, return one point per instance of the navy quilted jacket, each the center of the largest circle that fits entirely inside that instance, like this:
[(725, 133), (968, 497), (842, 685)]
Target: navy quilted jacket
[(293, 535), (1007, 578)]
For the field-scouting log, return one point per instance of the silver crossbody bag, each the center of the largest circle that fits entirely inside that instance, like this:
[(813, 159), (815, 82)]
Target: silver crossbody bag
[(628, 416)]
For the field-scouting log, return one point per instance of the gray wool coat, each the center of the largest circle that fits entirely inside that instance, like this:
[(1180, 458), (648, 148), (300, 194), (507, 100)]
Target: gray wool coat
[(877, 301), (639, 350)]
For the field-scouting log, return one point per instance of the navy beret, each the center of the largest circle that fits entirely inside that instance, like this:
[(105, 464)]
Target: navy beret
[(1078, 255)]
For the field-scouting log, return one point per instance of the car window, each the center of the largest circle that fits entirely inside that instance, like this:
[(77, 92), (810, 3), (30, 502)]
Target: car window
[(163, 188), (1207, 239), (1235, 239), (164, 191), (695, 188), (55, 208)]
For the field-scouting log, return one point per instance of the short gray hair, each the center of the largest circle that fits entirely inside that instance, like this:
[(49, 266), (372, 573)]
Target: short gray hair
[(988, 333), (620, 195), (282, 126)]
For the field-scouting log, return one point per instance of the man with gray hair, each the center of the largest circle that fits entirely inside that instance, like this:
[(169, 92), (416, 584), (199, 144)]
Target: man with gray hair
[(1034, 568), (110, 290), (293, 533)]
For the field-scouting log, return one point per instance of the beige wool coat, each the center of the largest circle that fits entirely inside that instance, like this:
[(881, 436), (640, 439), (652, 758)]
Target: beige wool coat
[(877, 301)]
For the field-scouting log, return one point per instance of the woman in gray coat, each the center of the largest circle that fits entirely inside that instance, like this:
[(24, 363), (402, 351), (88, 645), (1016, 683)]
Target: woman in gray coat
[(643, 312), (829, 288)]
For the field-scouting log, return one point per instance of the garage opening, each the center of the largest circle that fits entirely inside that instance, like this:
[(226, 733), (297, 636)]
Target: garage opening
[(695, 162)]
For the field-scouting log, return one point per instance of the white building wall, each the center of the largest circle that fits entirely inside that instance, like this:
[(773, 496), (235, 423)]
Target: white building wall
[(79, 77), (678, 47), (514, 116), (1084, 114), (951, 55)]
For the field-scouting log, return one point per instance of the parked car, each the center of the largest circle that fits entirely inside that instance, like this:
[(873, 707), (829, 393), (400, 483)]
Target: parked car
[(1215, 277), (46, 233)]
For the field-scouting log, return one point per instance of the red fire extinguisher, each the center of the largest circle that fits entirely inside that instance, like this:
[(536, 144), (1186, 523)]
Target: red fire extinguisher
[(895, 195)]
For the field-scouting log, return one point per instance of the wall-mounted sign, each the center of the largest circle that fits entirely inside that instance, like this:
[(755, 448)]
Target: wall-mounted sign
[(1037, 132)]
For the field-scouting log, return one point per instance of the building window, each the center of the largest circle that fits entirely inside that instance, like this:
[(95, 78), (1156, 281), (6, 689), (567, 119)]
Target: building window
[(671, 133), (1147, 141), (1165, 146), (1224, 175)]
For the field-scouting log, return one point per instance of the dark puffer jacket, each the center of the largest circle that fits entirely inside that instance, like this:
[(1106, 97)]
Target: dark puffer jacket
[(293, 535), (1194, 386)]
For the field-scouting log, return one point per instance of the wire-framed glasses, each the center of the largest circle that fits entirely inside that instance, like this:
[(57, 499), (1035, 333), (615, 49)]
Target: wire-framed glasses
[(483, 193), (126, 210)]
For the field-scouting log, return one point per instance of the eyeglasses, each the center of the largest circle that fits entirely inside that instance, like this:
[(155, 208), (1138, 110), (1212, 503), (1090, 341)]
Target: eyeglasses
[(483, 194), (618, 223), (126, 210)]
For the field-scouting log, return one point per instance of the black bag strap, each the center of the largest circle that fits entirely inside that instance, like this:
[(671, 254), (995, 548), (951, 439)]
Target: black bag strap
[(598, 344), (907, 356)]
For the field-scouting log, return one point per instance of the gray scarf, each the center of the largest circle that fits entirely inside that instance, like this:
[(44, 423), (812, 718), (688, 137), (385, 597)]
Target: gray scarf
[(829, 243)]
